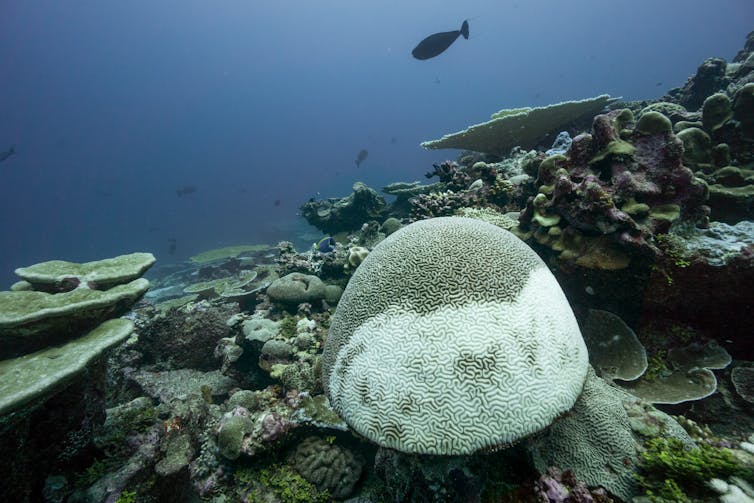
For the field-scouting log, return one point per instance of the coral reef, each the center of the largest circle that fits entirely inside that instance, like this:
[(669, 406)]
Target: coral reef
[(614, 191), (337, 215), (404, 357)]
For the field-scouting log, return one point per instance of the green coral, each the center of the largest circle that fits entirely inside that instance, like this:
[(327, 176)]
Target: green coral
[(654, 123), (281, 480), (667, 465), (617, 150)]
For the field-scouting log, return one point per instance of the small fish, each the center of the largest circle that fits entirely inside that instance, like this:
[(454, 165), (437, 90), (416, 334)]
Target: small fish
[(325, 245), (393, 140), (658, 84), (171, 246), (276, 202), (4, 155), (362, 155), (437, 80), (183, 191), (434, 45)]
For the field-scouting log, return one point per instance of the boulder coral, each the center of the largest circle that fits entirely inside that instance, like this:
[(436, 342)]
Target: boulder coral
[(452, 336), (329, 466)]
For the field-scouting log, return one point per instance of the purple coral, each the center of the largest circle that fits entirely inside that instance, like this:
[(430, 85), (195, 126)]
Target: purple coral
[(273, 426), (597, 187), (558, 486)]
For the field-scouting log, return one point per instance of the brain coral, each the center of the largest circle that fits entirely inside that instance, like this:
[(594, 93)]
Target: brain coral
[(452, 336)]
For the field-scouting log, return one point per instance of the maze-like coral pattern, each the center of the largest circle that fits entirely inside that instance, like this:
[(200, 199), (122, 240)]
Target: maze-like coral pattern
[(594, 440), (452, 337)]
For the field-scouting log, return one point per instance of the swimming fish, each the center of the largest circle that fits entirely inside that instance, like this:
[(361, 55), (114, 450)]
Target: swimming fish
[(7, 153), (361, 156), (325, 245), (436, 44), (183, 191)]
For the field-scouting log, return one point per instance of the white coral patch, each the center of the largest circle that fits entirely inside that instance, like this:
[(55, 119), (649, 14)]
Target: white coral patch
[(464, 376)]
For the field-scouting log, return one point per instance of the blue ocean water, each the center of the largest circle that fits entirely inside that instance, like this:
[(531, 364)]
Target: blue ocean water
[(115, 106)]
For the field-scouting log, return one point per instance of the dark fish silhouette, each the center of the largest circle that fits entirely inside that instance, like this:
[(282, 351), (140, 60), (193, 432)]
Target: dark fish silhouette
[(276, 202), (434, 45), (361, 156), (184, 191), (4, 155), (171, 246)]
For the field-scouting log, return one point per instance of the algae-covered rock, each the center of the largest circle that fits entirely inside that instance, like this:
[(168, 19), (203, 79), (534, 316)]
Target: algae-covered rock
[(30, 320), (59, 275), (233, 427), (177, 454), (33, 377)]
